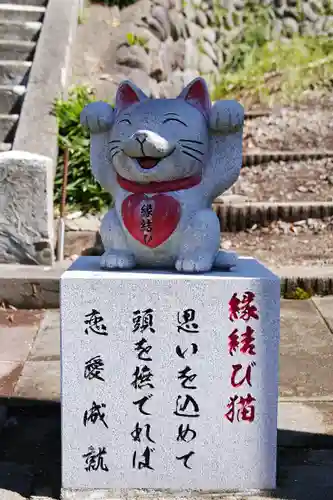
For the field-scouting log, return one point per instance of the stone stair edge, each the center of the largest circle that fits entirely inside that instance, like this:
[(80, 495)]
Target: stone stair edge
[(16, 22), (50, 68), (15, 62), (21, 7), (223, 200), (18, 43), (38, 287), (236, 217)]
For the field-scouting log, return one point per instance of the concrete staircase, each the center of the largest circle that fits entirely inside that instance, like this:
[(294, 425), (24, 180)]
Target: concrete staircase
[(20, 25)]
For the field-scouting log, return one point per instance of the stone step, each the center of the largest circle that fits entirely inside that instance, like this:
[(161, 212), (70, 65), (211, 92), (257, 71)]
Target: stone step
[(22, 51), (19, 30), (8, 124), (5, 146), (236, 217), (37, 3), (12, 12), (11, 98), (14, 72)]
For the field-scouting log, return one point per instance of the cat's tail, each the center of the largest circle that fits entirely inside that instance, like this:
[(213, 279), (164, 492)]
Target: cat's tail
[(225, 260)]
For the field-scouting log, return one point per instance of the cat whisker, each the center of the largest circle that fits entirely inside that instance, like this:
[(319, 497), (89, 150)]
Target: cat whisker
[(190, 140), (192, 149), (192, 156), (115, 153)]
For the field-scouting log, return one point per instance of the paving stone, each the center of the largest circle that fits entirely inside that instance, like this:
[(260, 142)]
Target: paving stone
[(40, 380), (306, 424), (16, 342), (15, 480), (47, 343), (10, 495), (10, 372), (325, 307), (18, 317), (306, 351)]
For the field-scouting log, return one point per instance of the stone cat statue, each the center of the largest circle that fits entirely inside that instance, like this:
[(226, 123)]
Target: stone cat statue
[(164, 161)]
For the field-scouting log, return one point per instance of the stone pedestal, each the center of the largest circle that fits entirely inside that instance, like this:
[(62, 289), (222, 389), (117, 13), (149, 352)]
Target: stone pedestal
[(169, 381)]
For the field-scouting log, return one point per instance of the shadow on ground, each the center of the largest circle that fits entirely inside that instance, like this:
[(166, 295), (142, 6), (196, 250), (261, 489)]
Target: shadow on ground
[(30, 456), (30, 449)]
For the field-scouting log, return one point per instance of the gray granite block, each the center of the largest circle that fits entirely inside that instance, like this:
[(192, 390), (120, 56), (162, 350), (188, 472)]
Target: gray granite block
[(151, 362), (26, 208)]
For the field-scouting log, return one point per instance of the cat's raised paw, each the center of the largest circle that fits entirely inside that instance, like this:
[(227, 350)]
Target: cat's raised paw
[(188, 265), (97, 116), (226, 117), (117, 260)]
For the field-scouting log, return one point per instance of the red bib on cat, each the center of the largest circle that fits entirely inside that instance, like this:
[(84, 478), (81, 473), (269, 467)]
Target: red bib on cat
[(150, 220)]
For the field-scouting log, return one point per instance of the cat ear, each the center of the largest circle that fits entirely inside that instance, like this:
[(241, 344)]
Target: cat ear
[(128, 94), (196, 94)]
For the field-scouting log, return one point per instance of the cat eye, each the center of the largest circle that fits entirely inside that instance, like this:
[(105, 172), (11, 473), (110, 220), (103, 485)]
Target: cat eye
[(125, 121), (174, 120)]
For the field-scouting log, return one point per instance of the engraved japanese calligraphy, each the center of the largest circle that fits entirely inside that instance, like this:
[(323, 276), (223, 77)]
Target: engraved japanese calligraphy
[(95, 414), (143, 383), (187, 406), (241, 342)]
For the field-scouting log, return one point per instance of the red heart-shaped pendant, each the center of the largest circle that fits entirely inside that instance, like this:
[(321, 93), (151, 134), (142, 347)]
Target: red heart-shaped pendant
[(150, 220)]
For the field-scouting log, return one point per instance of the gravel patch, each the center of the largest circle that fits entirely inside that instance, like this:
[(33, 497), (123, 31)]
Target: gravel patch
[(307, 243), (310, 180), (291, 129)]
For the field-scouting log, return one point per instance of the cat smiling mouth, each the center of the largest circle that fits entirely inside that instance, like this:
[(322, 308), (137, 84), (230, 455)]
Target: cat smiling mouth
[(147, 162)]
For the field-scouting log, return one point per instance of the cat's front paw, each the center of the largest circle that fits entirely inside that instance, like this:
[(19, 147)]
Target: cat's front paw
[(113, 259), (193, 264), (226, 117), (97, 117), (225, 260)]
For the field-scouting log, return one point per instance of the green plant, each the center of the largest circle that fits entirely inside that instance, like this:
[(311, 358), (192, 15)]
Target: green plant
[(83, 191), (328, 8), (298, 294), (133, 39), (262, 69), (201, 47), (219, 13), (83, 14), (277, 71)]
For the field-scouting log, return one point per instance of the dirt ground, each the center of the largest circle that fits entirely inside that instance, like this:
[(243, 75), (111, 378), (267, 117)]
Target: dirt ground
[(310, 180), (283, 250)]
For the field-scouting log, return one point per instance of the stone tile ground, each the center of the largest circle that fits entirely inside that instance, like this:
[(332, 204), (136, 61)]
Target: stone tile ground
[(30, 454)]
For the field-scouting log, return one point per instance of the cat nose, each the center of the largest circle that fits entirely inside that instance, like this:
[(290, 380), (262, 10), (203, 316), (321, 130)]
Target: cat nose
[(147, 143), (141, 137)]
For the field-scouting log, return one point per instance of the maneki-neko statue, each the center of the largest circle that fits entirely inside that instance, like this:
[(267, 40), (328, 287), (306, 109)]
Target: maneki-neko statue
[(164, 161)]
